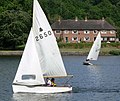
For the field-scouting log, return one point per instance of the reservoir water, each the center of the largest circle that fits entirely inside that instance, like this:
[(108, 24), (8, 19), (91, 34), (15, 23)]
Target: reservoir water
[(100, 82)]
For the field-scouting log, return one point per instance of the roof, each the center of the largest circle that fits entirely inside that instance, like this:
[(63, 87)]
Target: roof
[(82, 25)]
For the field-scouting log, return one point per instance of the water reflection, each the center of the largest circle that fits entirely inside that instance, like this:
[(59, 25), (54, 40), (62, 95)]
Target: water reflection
[(94, 75), (42, 97)]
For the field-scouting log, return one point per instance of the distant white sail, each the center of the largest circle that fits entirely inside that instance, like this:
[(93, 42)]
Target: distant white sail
[(46, 45), (94, 52), (29, 67)]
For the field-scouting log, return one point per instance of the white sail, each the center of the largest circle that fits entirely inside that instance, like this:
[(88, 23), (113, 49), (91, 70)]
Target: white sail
[(47, 48), (41, 58), (94, 52), (29, 70)]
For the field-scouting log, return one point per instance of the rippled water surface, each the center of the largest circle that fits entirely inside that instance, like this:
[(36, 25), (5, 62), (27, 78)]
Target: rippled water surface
[(100, 82)]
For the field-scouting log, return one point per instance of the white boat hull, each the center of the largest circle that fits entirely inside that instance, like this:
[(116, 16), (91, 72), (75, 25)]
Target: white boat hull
[(39, 89)]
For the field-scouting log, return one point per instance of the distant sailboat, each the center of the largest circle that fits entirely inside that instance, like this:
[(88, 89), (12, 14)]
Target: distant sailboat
[(94, 52), (41, 58)]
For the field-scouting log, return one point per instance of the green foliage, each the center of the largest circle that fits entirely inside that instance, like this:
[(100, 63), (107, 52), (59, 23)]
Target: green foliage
[(112, 44), (16, 17), (104, 44), (74, 45), (115, 52), (21, 47), (13, 27)]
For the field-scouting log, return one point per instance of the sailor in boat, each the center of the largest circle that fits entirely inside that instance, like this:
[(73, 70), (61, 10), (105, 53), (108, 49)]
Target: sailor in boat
[(53, 84), (87, 62), (48, 82)]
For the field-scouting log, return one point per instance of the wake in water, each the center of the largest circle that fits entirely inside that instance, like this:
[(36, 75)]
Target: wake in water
[(98, 90)]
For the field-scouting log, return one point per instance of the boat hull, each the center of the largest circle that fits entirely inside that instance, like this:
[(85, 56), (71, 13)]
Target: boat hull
[(87, 63), (39, 89)]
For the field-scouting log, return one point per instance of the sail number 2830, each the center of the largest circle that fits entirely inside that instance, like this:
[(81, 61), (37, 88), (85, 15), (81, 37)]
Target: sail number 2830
[(43, 35)]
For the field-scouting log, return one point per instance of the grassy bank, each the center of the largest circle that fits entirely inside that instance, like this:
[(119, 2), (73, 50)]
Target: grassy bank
[(85, 51), (84, 48), (75, 49)]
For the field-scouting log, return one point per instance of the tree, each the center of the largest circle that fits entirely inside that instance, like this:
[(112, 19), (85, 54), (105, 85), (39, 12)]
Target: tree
[(14, 24), (15, 15)]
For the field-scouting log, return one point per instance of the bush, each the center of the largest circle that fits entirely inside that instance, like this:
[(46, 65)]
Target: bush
[(104, 44), (112, 44), (75, 45), (21, 47), (114, 52)]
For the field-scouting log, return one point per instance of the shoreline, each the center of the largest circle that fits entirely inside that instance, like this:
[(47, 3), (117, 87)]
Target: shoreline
[(11, 53), (63, 53)]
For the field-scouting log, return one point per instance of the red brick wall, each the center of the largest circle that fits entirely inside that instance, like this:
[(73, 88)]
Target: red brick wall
[(81, 36)]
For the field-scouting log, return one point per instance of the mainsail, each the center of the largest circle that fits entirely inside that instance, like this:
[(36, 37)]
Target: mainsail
[(46, 45), (94, 52)]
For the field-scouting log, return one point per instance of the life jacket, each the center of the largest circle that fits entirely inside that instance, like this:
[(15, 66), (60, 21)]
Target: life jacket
[(53, 84)]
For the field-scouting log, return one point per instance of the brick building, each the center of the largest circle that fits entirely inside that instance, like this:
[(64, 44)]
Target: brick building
[(83, 30)]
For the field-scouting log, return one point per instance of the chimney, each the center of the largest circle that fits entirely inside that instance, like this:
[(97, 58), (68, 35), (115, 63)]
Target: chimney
[(86, 18), (103, 19), (76, 18), (59, 20)]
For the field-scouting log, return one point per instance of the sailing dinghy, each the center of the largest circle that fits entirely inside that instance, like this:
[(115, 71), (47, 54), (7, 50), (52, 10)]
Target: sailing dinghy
[(41, 58), (94, 52)]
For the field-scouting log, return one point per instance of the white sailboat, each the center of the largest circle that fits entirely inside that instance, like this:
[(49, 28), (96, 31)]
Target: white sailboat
[(94, 52), (41, 58)]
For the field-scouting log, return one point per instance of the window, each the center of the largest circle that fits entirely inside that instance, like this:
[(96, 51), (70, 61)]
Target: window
[(101, 39), (95, 32), (103, 32), (27, 77), (66, 31), (104, 39), (66, 39), (112, 32), (74, 38), (75, 32), (86, 32), (112, 39), (94, 38), (58, 31), (86, 38)]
